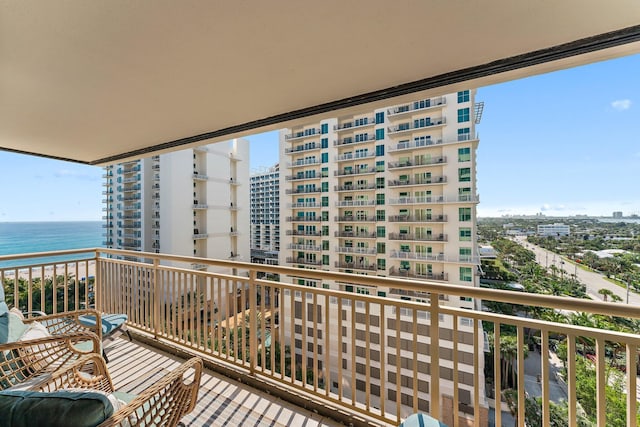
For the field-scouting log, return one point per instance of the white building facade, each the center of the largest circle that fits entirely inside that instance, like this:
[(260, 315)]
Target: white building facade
[(265, 215), (390, 192), (554, 230)]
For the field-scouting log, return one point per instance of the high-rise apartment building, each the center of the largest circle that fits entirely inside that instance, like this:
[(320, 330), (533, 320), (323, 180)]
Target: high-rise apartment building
[(200, 195), (389, 192), (265, 215)]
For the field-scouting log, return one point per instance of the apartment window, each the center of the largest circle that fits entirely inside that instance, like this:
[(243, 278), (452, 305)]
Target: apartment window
[(325, 172), (464, 134), (464, 194), (380, 215), (325, 245), (465, 234), (464, 154), (379, 183), (380, 231), (379, 134), (325, 216), (379, 150), (379, 117), (324, 128), (325, 259), (325, 230), (379, 199), (324, 143), (464, 174), (381, 293), (380, 166), (463, 96), (381, 247), (325, 201), (463, 115), (466, 274), (464, 214), (325, 187), (325, 157), (465, 254)]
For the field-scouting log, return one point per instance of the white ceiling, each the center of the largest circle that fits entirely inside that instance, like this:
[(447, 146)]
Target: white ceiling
[(98, 81)]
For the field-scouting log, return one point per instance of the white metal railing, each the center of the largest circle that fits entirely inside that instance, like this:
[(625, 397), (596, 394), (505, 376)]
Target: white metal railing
[(363, 354), (343, 203), (417, 106)]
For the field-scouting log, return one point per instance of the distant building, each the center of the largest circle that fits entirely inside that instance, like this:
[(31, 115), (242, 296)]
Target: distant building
[(617, 214), (265, 216), (555, 230)]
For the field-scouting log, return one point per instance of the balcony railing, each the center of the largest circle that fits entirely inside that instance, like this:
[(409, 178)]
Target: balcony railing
[(291, 260), (302, 134), (350, 140), (421, 256), (303, 162), (422, 124), (412, 218), (423, 181), (347, 203), (303, 233), (358, 187), (355, 156), (299, 247), (418, 237), (440, 160), (304, 190), (466, 198), (301, 148), (365, 355), (352, 250), (350, 218), (355, 124), (357, 171), (417, 106), (427, 141), (303, 219), (355, 266), (353, 234)]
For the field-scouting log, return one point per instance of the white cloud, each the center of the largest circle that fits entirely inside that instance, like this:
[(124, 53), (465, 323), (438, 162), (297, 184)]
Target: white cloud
[(621, 104)]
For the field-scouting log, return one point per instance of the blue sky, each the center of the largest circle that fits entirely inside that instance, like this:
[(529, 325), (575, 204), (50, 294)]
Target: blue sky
[(563, 143)]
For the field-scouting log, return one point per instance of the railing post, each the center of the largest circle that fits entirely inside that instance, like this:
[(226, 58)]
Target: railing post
[(434, 332), (157, 298), (97, 284), (253, 321)]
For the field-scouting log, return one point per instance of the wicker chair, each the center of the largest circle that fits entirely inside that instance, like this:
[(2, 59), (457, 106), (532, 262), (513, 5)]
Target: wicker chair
[(162, 404)]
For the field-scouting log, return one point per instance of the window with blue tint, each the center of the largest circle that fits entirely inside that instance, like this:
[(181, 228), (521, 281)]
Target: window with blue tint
[(325, 216), (379, 199), (325, 259), (380, 166), (466, 274), (324, 142), (325, 157), (379, 150), (464, 214), (325, 245), (325, 172), (382, 265), (380, 117), (464, 174), (325, 200), (380, 215), (379, 134), (464, 154), (324, 128), (463, 115), (463, 96), (381, 247), (464, 234), (325, 187), (380, 231), (464, 134)]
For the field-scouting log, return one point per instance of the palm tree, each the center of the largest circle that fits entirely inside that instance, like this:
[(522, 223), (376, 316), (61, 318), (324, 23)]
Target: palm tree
[(605, 293)]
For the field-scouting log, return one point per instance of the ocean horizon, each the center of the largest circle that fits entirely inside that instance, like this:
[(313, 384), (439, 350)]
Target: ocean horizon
[(31, 237)]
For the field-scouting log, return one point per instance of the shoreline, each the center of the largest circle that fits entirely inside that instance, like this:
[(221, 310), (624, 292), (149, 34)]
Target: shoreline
[(81, 269)]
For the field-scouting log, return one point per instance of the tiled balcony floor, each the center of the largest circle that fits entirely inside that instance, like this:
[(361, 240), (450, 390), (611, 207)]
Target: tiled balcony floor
[(221, 401)]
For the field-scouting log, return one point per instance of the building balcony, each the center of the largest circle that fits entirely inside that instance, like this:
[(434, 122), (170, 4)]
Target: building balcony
[(358, 171), (299, 247), (190, 324), (303, 219), (440, 160), (427, 141), (131, 225), (371, 137), (304, 205), (349, 203), (131, 236), (351, 218), (355, 266), (291, 260), (434, 180), (355, 124), (200, 177), (315, 175), (355, 156), (130, 216), (130, 180), (199, 236), (407, 273), (434, 199), (304, 190), (421, 124), (357, 187), (303, 233), (424, 237), (418, 106), (412, 218), (130, 188), (354, 250), (302, 148), (131, 169), (200, 206), (354, 234), (303, 162), (307, 133), (418, 256)]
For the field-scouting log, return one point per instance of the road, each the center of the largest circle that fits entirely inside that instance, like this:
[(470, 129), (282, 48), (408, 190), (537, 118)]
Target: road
[(593, 281)]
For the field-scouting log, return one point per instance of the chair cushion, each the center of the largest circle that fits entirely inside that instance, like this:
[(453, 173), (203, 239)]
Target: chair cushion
[(421, 420), (3, 304), (60, 408), (11, 328), (110, 322)]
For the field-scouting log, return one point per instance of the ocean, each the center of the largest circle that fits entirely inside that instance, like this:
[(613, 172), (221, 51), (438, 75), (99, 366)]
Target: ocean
[(28, 237)]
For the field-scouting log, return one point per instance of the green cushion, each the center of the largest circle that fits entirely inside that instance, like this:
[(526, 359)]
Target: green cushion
[(11, 328), (57, 409), (3, 304)]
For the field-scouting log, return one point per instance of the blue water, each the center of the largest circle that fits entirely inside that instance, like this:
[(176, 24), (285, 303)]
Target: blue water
[(29, 237)]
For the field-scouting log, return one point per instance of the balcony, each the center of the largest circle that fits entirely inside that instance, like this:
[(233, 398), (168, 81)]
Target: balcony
[(351, 218), (411, 218), (371, 137), (357, 187), (304, 190), (300, 177), (303, 219), (348, 203), (466, 198), (355, 124), (352, 250), (301, 148), (417, 106), (301, 247), (427, 141), (434, 180), (369, 333), (418, 237), (198, 236), (303, 162), (355, 156), (302, 134), (416, 125), (199, 206), (200, 177), (356, 234), (420, 256), (440, 160), (291, 260), (304, 205), (357, 171), (303, 233)]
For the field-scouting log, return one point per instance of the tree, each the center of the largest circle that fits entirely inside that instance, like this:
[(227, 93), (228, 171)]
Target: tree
[(606, 293)]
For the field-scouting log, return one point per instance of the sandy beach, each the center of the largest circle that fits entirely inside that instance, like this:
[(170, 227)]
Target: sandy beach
[(75, 269)]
